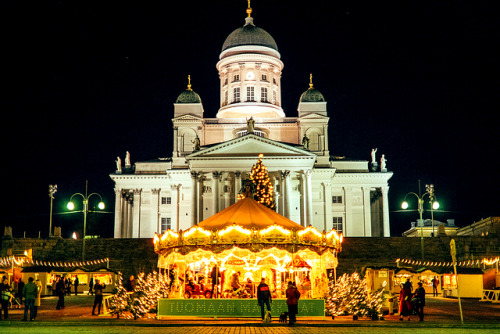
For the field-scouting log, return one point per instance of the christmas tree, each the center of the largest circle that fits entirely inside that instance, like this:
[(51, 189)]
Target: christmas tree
[(350, 295), (119, 301), (263, 186), (147, 292)]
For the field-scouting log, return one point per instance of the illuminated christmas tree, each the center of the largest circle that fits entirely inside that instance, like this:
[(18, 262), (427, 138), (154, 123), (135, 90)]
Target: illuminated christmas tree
[(263, 192), (350, 296), (147, 292), (119, 302)]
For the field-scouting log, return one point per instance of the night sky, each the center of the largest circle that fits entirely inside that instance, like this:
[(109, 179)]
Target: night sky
[(85, 81)]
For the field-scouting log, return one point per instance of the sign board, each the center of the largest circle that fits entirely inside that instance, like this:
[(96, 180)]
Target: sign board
[(234, 307)]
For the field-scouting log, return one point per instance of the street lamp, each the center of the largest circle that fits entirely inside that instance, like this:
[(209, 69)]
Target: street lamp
[(71, 206), (52, 191), (434, 206)]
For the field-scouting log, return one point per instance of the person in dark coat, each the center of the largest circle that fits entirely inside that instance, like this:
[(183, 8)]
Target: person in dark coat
[(98, 288), (5, 296), (263, 297), (91, 285), (292, 301), (60, 291), (420, 301), (77, 282), (405, 305), (215, 275)]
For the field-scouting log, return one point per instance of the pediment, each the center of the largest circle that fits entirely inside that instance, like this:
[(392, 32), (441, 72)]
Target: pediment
[(314, 116), (251, 146), (186, 117)]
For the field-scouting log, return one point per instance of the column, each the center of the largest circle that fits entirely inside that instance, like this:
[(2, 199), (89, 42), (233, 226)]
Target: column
[(215, 191), (237, 185), (118, 213), (367, 211), (175, 207), (327, 196), (385, 199), (155, 213), (309, 205), (130, 214), (303, 199), (176, 132), (285, 175), (348, 211), (136, 209), (194, 202)]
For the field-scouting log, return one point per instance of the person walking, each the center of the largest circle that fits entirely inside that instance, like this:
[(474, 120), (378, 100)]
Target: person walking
[(215, 275), (38, 299), (405, 305), (5, 296), (77, 282), (30, 291), (435, 283), (263, 297), (60, 291), (98, 288), (292, 301), (420, 301), (91, 286)]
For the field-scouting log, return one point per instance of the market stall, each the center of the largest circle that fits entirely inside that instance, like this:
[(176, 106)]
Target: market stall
[(425, 276), (470, 283), (238, 246)]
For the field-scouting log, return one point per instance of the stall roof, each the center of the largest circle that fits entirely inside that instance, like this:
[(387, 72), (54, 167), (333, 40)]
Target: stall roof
[(249, 214)]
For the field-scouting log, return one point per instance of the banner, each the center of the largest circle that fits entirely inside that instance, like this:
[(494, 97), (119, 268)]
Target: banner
[(234, 307)]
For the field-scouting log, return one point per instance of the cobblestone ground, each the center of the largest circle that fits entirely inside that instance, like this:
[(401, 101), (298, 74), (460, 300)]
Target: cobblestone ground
[(240, 330)]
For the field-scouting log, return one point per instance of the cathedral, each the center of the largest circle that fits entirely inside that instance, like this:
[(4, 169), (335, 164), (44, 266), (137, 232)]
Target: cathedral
[(212, 157)]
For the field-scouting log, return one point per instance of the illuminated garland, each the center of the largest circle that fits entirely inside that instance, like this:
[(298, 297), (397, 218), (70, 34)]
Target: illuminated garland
[(8, 261), (468, 263)]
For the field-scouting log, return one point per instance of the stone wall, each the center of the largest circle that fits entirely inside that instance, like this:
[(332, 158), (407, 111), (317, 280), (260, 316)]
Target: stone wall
[(131, 256)]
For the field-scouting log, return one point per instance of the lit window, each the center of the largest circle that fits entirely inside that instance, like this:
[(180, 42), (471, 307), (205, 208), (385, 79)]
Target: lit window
[(263, 94), (236, 94), (166, 223), (250, 94), (337, 224), (337, 199)]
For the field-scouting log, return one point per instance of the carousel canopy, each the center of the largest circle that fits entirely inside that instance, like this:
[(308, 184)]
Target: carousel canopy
[(248, 213)]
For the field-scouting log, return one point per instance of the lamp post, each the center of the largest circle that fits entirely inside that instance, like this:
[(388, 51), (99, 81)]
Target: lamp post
[(434, 206), (71, 206), (52, 191)]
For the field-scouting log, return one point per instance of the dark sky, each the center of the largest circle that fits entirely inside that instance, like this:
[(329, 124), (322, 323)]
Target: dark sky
[(88, 80)]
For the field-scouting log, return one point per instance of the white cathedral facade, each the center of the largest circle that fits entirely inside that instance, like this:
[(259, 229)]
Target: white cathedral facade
[(212, 157)]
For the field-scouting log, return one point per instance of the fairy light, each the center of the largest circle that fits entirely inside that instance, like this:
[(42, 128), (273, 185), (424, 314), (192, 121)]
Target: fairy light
[(275, 227), (234, 227), (194, 229)]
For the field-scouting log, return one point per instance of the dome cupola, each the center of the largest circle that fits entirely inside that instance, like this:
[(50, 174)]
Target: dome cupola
[(189, 95)]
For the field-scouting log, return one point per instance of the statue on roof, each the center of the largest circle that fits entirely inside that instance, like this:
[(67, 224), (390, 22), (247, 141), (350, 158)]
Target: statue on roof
[(383, 161), (374, 159), (127, 159), (250, 125), (118, 165), (196, 143), (305, 142)]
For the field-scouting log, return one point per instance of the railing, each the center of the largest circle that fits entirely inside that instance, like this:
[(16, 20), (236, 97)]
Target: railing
[(491, 296)]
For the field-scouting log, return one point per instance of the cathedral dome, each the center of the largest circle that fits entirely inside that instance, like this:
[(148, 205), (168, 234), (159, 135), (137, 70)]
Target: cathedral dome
[(249, 34), (188, 96), (312, 95)]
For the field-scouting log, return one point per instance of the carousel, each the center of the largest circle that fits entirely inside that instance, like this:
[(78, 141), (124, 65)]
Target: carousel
[(215, 266)]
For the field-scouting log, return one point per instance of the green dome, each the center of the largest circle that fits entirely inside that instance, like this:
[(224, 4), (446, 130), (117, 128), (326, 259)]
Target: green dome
[(188, 96), (249, 34), (312, 95)]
